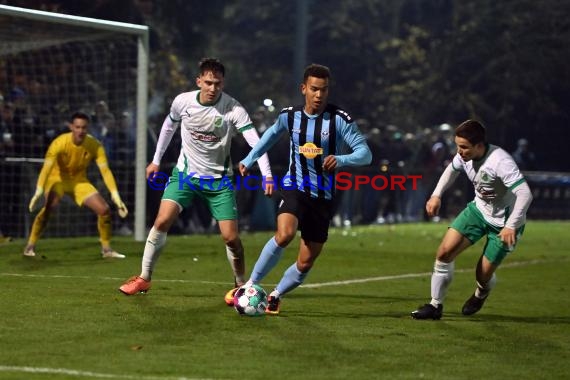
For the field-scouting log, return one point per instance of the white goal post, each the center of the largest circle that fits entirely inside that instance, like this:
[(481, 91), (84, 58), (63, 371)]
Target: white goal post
[(52, 65)]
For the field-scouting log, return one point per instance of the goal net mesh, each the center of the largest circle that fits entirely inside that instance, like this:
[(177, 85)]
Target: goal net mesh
[(47, 72)]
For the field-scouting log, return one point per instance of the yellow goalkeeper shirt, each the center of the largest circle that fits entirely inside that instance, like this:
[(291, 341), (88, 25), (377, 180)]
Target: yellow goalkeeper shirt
[(66, 161)]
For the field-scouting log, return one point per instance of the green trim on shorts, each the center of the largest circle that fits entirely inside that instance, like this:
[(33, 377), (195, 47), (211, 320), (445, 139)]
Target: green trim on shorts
[(227, 162), (218, 193), (471, 224)]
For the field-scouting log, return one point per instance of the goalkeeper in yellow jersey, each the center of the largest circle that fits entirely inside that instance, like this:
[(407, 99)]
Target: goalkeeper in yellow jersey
[(65, 172)]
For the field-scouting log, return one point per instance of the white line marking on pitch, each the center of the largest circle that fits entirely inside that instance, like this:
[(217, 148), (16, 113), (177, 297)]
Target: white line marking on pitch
[(314, 285), (411, 275), (104, 278), (72, 372)]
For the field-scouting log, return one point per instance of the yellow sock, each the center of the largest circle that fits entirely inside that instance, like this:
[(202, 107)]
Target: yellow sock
[(105, 230), (38, 227)]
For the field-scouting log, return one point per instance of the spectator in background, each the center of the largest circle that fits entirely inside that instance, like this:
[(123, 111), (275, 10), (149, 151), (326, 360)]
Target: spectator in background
[(98, 118), (103, 128), (395, 156), (258, 118), (28, 137), (441, 156), (348, 203), (9, 173), (6, 128), (524, 158), (367, 201), (127, 136), (420, 145)]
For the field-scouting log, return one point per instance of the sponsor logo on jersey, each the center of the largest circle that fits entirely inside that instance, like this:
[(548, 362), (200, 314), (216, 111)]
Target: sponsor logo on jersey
[(310, 150), (207, 137)]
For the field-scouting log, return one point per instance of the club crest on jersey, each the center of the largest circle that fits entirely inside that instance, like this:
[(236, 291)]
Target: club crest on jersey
[(310, 150), (218, 121)]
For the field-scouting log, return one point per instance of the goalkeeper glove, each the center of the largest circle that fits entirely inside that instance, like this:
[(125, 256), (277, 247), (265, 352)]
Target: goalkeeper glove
[(121, 208), (36, 202)]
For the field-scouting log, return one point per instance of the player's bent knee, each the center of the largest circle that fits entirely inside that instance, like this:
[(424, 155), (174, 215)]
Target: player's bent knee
[(304, 267), (448, 253), (163, 224), (105, 211), (284, 238), (232, 241), (444, 255)]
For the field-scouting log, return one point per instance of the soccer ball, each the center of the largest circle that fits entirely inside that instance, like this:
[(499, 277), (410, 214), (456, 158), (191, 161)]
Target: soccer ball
[(250, 300)]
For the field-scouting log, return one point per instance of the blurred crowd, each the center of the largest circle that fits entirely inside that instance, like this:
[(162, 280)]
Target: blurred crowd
[(31, 117)]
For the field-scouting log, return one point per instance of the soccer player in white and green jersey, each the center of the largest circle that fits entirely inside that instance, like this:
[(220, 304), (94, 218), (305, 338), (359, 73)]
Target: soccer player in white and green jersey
[(208, 119), (502, 198)]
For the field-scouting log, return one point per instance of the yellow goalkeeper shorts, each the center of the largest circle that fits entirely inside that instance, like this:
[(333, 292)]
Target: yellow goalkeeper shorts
[(78, 190)]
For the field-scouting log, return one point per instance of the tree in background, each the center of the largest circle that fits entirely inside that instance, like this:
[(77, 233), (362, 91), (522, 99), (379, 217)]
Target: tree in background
[(411, 63)]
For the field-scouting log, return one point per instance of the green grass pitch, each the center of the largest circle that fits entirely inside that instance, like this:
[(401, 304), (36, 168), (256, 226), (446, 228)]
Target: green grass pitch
[(62, 317)]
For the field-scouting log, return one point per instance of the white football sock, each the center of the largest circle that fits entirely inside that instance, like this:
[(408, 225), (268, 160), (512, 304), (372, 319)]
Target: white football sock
[(440, 280), (234, 257), (483, 290), (154, 243)]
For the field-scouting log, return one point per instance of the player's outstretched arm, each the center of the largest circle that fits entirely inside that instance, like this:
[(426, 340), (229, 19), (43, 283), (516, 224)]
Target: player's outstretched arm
[(253, 139), (37, 200), (360, 155), (447, 178), (110, 182)]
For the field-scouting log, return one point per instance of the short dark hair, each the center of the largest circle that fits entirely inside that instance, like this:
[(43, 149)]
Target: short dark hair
[(472, 131), (317, 71), (211, 64), (79, 115)]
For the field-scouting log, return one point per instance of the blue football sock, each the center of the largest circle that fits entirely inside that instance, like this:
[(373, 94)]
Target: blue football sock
[(291, 279), (269, 256)]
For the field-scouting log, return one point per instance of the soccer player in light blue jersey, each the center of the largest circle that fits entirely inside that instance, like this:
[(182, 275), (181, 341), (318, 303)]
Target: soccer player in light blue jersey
[(323, 137), (502, 198)]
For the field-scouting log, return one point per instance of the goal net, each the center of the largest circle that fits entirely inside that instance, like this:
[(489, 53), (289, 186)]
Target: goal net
[(52, 65)]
